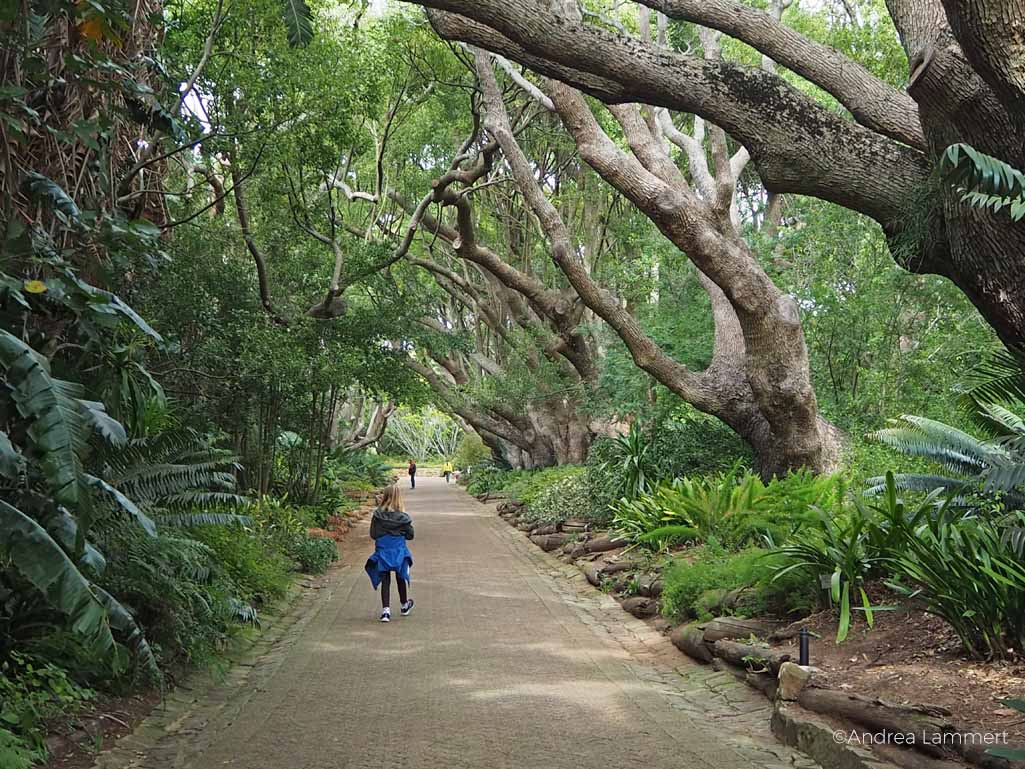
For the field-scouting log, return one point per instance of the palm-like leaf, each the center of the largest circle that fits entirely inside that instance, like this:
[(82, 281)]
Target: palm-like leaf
[(177, 471), (954, 449), (204, 519), (298, 22), (917, 482)]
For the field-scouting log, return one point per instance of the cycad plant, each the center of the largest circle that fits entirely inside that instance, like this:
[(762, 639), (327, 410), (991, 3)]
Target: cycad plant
[(988, 464), (177, 477)]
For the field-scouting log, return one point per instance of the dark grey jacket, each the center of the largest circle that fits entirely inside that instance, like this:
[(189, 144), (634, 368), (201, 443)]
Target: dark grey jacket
[(391, 522)]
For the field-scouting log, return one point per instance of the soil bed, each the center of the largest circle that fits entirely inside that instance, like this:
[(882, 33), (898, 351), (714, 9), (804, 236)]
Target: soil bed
[(910, 657)]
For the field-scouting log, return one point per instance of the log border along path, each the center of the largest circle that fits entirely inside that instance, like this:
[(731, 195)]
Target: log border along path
[(510, 660)]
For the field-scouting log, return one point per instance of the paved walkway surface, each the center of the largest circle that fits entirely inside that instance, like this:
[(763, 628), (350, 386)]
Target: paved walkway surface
[(508, 661)]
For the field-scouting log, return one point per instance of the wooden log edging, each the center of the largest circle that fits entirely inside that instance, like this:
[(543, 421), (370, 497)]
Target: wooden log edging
[(796, 723)]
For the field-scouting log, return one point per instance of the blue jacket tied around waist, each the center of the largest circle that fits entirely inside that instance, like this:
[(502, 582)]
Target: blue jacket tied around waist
[(390, 530)]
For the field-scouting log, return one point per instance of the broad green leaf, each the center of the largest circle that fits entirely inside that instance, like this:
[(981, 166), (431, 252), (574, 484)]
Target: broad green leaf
[(48, 192), (43, 562), (58, 428), (845, 613), (298, 21), (11, 460)]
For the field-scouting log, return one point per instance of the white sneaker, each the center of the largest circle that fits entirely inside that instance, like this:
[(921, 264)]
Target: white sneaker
[(386, 615), (407, 607)]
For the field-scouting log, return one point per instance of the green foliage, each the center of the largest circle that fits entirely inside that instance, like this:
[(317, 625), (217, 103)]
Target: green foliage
[(632, 463), (733, 510), (700, 582), (259, 571), (179, 593), (985, 181), (489, 477), (527, 487), (471, 452), (361, 466), (299, 21), (286, 529), (560, 500), (315, 554), (990, 465), (16, 752), (840, 548), (961, 568), (32, 693)]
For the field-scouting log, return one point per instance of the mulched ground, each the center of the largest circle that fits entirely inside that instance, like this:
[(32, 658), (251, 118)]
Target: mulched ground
[(910, 657)]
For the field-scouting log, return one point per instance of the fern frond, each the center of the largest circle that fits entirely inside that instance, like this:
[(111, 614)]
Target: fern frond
[(916, 482), (194, 498), (184, 520)]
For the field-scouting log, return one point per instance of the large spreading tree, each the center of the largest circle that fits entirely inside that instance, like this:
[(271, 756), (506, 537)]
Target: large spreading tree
[(878, 155)]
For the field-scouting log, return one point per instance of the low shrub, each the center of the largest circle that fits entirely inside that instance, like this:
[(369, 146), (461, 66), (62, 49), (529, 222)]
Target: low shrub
[(561, 500), (315, 554), (736, 511), (287, 529), (188, 606), (489, 478), (528, 486), (966, 569), (34, 691), (260, 571), (696, 587)]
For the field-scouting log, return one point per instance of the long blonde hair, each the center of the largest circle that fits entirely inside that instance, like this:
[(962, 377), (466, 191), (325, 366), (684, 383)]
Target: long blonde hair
[(391, 499)]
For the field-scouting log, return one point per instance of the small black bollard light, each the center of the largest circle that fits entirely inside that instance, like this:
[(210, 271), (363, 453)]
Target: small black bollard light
[(804, 636)]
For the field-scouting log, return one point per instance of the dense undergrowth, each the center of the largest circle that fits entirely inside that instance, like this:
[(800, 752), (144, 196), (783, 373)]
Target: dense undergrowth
[(948, 539)]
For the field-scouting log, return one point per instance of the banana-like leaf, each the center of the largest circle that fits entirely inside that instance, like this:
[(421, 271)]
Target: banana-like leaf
[(44, 563), (109, 428), (63, 527), (299, 22), (58, 427), (123, 621), (111, 304), (11, 461), (48, 192)]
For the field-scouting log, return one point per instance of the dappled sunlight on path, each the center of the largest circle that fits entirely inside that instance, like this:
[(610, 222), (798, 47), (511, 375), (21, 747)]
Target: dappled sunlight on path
[(498, 666)]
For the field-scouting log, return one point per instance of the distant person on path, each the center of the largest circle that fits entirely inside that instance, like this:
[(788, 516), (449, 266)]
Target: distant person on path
[(446, 469), (412, 473), (390, 528)]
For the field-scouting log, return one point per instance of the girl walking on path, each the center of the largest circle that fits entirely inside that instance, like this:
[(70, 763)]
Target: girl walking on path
[(412, 473), (390, 528)]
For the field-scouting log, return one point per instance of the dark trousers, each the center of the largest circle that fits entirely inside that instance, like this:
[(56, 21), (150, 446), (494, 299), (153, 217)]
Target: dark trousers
[(412, 480), (386, 589)]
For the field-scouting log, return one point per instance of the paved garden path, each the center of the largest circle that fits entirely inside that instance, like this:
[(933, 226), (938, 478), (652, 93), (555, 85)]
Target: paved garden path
[(509, 661)]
